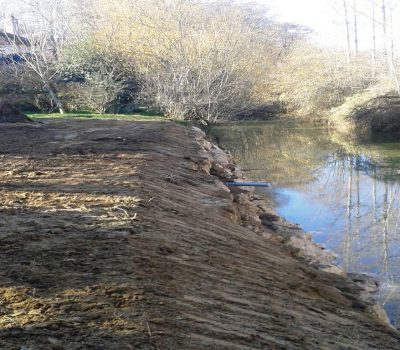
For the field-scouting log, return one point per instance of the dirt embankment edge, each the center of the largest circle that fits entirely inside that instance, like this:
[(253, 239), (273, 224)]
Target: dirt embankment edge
[(253, 212), (121, 235)]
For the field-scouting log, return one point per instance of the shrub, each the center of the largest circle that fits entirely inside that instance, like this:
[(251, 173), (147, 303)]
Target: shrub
[(313, 80)]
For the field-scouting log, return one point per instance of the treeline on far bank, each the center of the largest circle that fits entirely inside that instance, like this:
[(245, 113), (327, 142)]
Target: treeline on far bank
[(186, 59)]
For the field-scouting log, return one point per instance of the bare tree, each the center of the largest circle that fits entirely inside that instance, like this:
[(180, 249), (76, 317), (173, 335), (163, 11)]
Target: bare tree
[(355, 21), (37, 46), (33, 61), (388, 45), (347, 23), (373, 19), (203, 62)]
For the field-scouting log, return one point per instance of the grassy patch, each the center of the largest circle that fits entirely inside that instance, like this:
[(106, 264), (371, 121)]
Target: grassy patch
[(141, 116)]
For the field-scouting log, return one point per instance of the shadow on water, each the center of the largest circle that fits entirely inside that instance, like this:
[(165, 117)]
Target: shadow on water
[(345, 194)]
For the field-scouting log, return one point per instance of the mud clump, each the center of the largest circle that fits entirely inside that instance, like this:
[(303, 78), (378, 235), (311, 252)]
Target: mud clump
[(11, 114)]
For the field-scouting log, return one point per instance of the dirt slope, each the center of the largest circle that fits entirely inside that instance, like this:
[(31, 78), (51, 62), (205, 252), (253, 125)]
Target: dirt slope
[(11, 114), (114, 237)]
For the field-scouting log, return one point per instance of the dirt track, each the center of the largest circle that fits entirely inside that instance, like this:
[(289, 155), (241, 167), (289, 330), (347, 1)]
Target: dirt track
[(113, 236)]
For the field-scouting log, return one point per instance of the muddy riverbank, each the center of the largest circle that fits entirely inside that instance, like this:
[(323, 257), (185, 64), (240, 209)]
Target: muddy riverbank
[(121, 235)]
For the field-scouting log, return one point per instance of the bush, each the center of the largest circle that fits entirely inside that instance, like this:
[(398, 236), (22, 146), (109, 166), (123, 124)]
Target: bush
[(313, 80), (373, 110), (96, 79), (193, 59)]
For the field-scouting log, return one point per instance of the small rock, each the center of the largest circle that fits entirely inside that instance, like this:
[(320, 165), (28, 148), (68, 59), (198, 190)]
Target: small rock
[(192, 166), (197, 133), (333, 294), (57, 231), (217, 169), (53, 341)]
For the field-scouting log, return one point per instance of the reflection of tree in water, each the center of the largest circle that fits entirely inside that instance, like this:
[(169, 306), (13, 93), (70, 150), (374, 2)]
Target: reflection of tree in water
[(356, 185), (368, 204), (270, 150), (365, 210), (371, 242)]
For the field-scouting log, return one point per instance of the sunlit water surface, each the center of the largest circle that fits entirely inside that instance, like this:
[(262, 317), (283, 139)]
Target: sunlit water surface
[(345, 193)]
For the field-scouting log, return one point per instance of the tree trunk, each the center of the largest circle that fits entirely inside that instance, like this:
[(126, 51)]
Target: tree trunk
[(388, 53), (373, 40), (355, 27), (346, 18), (55, 99), (391, 34)]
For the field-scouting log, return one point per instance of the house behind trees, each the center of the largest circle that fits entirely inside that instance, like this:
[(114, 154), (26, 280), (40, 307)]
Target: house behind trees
[(11, 47)]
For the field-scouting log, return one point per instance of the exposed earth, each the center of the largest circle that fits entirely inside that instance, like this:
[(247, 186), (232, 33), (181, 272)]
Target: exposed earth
[(114, 235), (10, 114)]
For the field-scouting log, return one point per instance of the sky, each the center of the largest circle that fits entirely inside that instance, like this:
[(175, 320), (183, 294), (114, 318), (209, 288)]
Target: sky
[(319, 15), (326, 18), (311, 12)]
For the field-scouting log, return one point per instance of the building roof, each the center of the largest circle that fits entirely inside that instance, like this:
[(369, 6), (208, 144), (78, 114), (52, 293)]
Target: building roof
[(14, 38)]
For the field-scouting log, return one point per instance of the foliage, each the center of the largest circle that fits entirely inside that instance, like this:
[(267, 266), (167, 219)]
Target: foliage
[(96, 78), (313, 80), (187, 59), (371, 110), (158, 40)]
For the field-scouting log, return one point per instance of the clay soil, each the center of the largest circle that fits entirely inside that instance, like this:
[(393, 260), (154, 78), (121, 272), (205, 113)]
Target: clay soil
[(114, 236)]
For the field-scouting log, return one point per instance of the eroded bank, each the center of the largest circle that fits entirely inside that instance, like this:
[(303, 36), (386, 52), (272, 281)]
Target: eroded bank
[(118, 234)]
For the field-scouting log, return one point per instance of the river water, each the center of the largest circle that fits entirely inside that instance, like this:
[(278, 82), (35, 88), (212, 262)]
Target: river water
[(346, 193)]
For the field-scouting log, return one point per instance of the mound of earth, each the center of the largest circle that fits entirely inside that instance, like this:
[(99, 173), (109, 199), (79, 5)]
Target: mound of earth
[(11, 114), (367, 113), (382, 114), (115, 236)]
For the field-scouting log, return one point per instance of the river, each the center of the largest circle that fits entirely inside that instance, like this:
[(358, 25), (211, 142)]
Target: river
[(345, 193)]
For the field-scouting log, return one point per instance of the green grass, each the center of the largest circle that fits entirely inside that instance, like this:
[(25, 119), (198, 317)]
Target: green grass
[(140, 116)]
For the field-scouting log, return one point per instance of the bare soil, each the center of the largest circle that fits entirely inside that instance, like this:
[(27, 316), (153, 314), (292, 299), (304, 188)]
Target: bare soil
[(11, 114), (115, 236)]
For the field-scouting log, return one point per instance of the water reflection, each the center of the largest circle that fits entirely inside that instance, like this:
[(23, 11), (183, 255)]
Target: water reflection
[(346, 194)]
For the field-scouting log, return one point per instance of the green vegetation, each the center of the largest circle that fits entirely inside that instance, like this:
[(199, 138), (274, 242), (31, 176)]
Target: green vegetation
[(312, 81), (186, 59), (207, 61)]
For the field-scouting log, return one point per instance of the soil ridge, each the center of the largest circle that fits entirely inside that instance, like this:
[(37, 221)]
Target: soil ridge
[(122, 235)]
